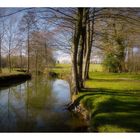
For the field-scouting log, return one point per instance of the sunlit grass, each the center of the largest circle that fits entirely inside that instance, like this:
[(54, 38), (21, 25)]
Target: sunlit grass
[(60, 68), (114, 81), (113, 101), (6, 72), (96, 68), (63, 70)]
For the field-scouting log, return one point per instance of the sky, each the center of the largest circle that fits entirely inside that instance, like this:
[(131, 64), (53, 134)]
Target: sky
[(62, 57)]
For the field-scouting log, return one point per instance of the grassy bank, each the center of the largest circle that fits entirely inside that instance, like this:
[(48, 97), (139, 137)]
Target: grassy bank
[(112, 100), (8, 79), (62, 70)]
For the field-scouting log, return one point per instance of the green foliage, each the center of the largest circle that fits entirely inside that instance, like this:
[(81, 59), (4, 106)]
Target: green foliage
[(115, 41), (111, 62), (96, 68)]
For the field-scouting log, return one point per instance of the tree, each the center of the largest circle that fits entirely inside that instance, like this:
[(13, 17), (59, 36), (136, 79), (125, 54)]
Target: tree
[(89, 44), (115, 32), (28, 22), (40, 52), (10, 39), (1, 39)]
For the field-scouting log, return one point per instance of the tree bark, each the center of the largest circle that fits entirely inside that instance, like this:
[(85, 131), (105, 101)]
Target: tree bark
[(28, 47), (89, 42), (75, 77), (9, 53), (0, 57), (82, 47), (21, 58)]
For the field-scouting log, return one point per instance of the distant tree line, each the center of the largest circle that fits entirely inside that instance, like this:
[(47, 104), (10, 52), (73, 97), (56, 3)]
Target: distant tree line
[(118, 41), (23, 42)]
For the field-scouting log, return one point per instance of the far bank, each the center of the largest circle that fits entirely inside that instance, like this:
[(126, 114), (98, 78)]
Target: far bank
[(13, 78)]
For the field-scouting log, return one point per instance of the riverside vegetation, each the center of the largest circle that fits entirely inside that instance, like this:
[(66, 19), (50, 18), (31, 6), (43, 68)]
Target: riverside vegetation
[(16, 76), (111, 99)]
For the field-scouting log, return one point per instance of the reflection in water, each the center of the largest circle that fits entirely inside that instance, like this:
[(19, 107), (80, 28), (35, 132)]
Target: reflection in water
[(38, 105)]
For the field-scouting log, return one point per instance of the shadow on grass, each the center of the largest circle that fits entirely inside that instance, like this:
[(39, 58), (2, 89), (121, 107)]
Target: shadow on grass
[(111, 92), (112, 110), (114, 80)]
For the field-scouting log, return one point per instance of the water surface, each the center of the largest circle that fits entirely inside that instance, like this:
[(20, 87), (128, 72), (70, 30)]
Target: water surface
[(38, 105)]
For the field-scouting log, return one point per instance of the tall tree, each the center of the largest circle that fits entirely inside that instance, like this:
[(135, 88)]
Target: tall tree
[(76, 38), (28, 22), (1, 38), (89, 44)]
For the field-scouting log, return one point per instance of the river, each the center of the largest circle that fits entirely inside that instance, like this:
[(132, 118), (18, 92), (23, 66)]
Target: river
[(38, 105)]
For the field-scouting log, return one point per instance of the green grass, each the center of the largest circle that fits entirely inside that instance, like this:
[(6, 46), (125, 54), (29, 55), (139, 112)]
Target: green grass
[(113, 101), (5, 72), (96, 68), (63, 70), (113, 81), (60, 68)]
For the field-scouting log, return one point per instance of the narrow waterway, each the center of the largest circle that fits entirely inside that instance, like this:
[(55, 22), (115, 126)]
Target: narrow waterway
[(38, 105)]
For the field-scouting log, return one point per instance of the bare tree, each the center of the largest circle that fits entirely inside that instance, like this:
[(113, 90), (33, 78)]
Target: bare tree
[(1, 38), (28, 21)]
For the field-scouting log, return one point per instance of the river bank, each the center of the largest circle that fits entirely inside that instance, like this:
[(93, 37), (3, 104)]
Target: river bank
[(11, 79)]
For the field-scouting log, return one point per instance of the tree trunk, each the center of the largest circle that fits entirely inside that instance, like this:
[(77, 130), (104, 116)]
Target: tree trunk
[(0, 58), (89, 42), (28, 47), (82, 47), (36, 62), (21, 58), (80, 62), (9, 55), (75, 77)]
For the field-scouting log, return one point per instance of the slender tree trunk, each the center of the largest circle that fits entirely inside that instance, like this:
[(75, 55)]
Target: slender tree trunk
[(80, 62), (28, 47), (82, 47), (75, 82), (89, 42), (9, 55), (36, 62), (21, 58), (75, 77), (132, 58), (85, 68), (45, 53), (0, 58)]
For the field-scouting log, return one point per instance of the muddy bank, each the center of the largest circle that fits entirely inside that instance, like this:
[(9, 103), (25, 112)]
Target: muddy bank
[(81, 111), (8, 80)]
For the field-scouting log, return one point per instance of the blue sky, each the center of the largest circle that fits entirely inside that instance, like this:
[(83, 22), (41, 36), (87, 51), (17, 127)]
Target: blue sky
[(49, 27)]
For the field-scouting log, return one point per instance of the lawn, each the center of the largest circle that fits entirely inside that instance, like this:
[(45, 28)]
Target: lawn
[(62, 68), (66, 68), (113, 101)]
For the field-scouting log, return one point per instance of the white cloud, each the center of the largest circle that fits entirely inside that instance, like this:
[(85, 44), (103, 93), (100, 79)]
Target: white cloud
[(62, 57)]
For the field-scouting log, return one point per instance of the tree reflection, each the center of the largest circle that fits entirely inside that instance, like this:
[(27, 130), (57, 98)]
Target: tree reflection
[(33, 106)]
